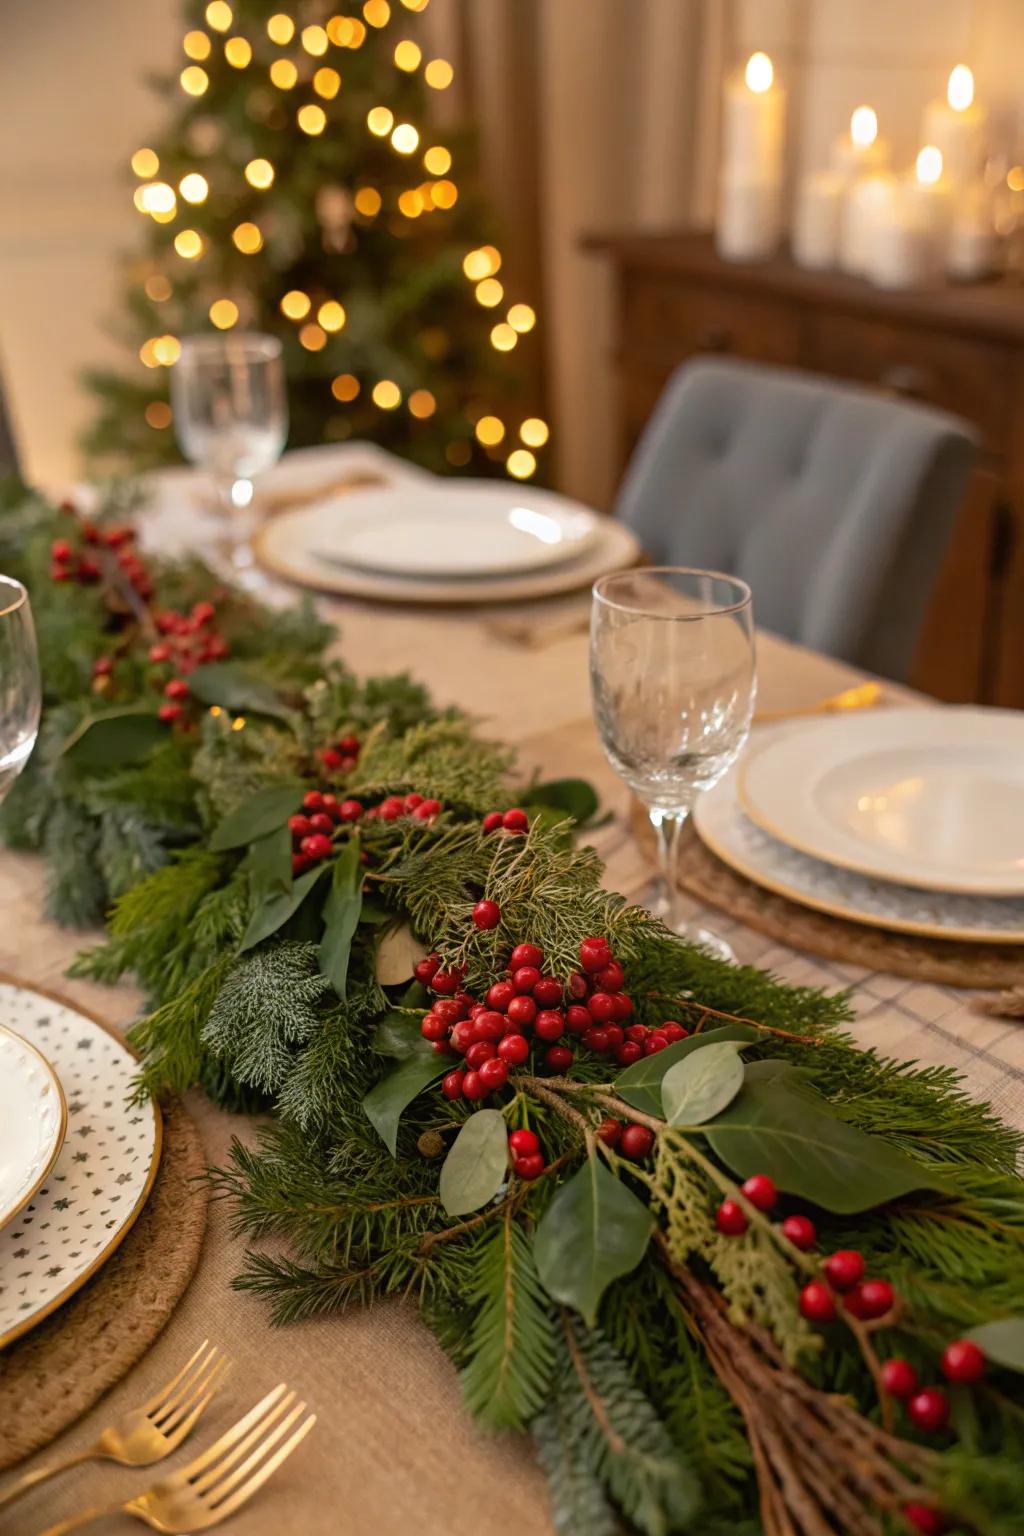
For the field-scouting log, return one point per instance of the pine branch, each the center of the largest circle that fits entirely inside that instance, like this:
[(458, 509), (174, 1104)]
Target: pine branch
[(266, 1006), (506, 1381)]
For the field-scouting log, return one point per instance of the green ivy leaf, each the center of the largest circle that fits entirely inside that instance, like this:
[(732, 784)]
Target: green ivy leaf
[(640, 1084), (234, 689), (274, 909), (341, 915), (575, 797), (263, 812), (477, 1162), (696, 1089), (385, 1103), (1002, 1340), (114, 739), (808, 1152), (594, 1230)]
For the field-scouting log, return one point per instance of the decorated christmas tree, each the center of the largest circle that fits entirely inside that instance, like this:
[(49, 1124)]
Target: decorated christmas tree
[(300, 189)]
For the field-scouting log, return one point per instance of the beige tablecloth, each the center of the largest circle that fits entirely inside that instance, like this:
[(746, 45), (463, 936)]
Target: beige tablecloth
[(393, 1452)]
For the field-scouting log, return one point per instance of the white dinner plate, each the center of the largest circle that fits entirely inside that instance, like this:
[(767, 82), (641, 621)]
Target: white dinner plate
[(33, 1118), (454, 528), (932, 798), (753, 853)]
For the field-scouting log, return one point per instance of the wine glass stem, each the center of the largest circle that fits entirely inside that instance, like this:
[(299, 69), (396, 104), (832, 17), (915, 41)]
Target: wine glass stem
[(668, 827)]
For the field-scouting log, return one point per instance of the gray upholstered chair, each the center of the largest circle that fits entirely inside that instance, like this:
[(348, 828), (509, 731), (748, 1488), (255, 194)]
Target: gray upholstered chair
[(835, 504)]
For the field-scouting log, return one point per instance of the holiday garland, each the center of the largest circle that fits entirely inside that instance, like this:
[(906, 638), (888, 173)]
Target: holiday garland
[(728, 1270)]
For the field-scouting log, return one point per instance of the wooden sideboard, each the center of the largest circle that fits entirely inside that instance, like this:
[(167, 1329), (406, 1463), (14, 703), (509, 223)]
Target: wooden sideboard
[(959, 347)]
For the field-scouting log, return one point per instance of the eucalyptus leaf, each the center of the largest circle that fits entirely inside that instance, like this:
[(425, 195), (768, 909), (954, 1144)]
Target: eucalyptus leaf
[(1002, 1341), (594, 1230), (341, 915), (269, 862), (575, 797), (274, 909), (477, 1162), (702, 1085), (786, 1073), (398, 1034), (261, 813), (114, 739), (394, 1093), (397, 954), (640, 1084), (808, 1152), (234, 689)]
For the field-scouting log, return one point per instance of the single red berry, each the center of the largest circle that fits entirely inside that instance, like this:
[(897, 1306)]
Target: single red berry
[(463, 1035), (628, 1053), (299, 864), (655, 1042), (529, 1167), (472, 1087), (489, 1025), (595, 1039), (925, 1518), (203, 612), (170, 712), (177, 688), (610, 1132), (449, 1009), (316, 846), (761, 1192), (731, 1219), (963, 1361), (350, 745), (492, 821), (673, 1031), (547, 993), (899, 1378), (845, 1269), (515, 820), (514, 1049), (487, 914), (636, 1142), (445, 982), (526, 954), (636, 1032), (160, 652), (816, 1302), (391, 808), (494, 1074), (480, 1051), (929, 1409), (349, 810), (549, 1024), (331, 806), (347, 764), (60, 550), (313, 800), (577, 1019), (60, 573), (426, 969), (433, 1028), (595, 954), (524, 1143), (427, 810), (102, 666), (602, 1007), (800, 1231), (88, 571), (500, 994), (612, 978), (558, 1058), (522, 1010), (218, 648), (577, 986), (321, 822), (525, 978), (412, 801), (613, 1034), (876, 1298), (300, 826), (330, 759)]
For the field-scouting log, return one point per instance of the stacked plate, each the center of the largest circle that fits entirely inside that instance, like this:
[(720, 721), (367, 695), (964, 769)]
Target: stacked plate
[(77, 1155), (908, 819)]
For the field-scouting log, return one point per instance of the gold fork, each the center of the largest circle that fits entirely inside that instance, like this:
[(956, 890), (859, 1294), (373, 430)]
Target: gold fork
[(147, 1434), (213, 1486)]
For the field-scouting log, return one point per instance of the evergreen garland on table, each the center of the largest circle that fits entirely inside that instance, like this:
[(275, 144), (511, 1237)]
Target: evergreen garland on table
[(732, 1273)]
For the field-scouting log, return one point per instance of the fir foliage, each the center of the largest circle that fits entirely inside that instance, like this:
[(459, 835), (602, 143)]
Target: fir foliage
[(506, 1381)]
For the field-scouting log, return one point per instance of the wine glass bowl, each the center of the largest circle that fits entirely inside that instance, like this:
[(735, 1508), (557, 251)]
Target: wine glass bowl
[(20, 690)]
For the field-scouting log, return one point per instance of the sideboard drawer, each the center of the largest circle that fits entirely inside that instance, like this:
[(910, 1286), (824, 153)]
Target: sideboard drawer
[(971, 379), (663, 317)]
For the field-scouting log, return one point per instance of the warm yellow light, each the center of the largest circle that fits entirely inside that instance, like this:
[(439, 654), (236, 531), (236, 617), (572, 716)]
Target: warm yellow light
[(415, 5), (929, 165), (490, 430), (193, 187), (521, 463), (340, 29), (331, 315), (237, 52), (259, 174), (194, 80), (296, 305), (238, 723), (357, 34), (864, 127), (280, 28), (145, 162), (422, 404), (493, 256), (377, 13), (188, 243), (489, 292), (503, 337), (197, 45), (960, 90), (147, 353), (1015, 178), (405, 138), (386, 393), (521, 318), (760, 73), (167, 350), (219, 15), (534, 432), (158, 414), (314, 40), (367, 201), (311, 119), (445, 194), (345, 387), (410, 203), (283, 74), (165, 216), (327, 83), (439, 74), (247, 238), (437, 160), (158, 288), (476, 264), (158, 197), (139, 198), (224, 314), (313, 337), (379, 121), (408, 55)]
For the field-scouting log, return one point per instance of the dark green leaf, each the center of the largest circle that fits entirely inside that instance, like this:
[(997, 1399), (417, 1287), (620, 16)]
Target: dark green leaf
[(1002, 1340), (594, 1230), (385, 1103), (398, 1035), (702, 1085), (786, 1073), (808, 1152), (263, 812), (115, 739), (220, 682), (575, 797), (341, 915), (477, 1161), (273, 910), (270, 862), (640, 1084)]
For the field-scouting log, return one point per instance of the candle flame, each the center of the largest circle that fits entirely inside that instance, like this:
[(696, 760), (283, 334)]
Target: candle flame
[(864, 127), (929, 165), (960, 91), (760, 72)]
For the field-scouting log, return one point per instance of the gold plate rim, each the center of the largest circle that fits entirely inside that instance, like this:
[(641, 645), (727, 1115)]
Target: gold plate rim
[(6, 1217)]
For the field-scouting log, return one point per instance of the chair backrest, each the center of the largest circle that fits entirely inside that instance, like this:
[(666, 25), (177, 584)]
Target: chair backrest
[(835, 504)]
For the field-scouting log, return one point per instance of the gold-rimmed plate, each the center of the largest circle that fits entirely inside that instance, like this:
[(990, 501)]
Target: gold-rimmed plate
[(33, 1120)]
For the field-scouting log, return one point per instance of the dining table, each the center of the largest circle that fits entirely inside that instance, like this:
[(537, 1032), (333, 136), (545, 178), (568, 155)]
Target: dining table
[(394, 1451)]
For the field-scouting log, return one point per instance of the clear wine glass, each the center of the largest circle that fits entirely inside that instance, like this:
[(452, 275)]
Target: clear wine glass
[(20, 694), (231, 419), (672, 677)]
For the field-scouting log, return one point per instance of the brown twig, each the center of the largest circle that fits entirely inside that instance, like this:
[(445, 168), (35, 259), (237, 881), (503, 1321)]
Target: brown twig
[(691, 1005)]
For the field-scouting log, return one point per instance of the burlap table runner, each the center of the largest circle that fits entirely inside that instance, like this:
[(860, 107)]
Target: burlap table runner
[(50, 1376)]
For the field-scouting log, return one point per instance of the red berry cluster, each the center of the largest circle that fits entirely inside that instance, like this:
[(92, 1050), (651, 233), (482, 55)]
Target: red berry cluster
[(189, 640), (928, 1407), (527, 1158), (515, 821), (70, 563), (313, 827), (343, 756), (732, 1220), (394, 807), (633, 1141), (866, 1300)]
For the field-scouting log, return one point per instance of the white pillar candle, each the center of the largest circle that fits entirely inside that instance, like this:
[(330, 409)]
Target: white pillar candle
[(817, 220), (860, 151), (865, 204), (956, 127), (749, 219), (973, 249), (749, 226), (904, 252), (931, 190)]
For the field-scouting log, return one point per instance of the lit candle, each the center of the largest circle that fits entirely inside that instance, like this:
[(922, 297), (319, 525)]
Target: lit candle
[(956, 127), (866, 203), (817, 220), (749, 223), (861, 150), (908, 239)]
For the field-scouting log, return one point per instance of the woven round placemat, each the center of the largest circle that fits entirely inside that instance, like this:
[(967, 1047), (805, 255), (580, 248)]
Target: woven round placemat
[(53, 1374), (949, 962)]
